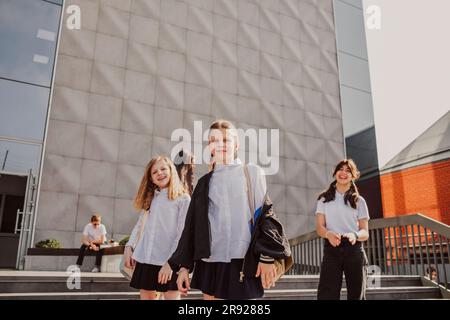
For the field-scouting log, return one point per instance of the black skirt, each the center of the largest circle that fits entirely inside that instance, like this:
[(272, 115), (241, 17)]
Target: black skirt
[(221, 280), (145, 276)]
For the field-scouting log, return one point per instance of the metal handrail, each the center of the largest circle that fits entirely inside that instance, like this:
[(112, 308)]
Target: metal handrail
[(403, 245), (418, 219), (303, 238), (415, 219)]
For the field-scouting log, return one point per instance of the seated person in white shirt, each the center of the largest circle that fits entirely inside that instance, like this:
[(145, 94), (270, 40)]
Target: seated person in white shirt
[(94, 235)]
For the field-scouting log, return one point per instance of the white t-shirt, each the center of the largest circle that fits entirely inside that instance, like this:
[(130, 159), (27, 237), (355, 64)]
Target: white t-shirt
[(341, 217), (229, 211), (94, 233)]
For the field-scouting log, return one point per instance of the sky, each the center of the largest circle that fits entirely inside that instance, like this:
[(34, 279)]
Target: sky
[(409, 62)]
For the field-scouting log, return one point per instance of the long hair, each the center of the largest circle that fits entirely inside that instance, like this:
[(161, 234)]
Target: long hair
[(146, 191), (223, 124), (185, 160), (352, 195)]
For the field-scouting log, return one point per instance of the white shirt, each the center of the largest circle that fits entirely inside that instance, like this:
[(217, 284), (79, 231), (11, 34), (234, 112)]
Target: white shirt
[(229, 212), (94, 234), (162, 229), (340, 217)]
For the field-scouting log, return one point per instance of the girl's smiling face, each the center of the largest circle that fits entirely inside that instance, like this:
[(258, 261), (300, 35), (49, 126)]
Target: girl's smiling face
[(223, 145), (343, 175), (160, 174)]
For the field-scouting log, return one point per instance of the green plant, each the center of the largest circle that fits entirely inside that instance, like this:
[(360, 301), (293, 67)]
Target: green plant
[(49, 243), (124, 241)]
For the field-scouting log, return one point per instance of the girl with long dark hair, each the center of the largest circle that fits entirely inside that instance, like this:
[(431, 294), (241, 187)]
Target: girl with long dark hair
[(342, 220)]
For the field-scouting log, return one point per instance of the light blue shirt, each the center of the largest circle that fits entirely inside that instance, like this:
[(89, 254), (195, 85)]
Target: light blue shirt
[(340, 217), (162, 229), (229, 212)]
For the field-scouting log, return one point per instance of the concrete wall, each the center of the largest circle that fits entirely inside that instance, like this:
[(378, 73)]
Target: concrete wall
[(139, 69)]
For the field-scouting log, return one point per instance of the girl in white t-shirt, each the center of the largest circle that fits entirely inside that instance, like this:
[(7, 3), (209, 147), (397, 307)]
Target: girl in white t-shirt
[(342, 220)]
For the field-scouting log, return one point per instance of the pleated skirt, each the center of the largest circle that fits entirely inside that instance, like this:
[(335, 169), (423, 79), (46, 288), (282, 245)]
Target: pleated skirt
[(221, 280), (145, 276)]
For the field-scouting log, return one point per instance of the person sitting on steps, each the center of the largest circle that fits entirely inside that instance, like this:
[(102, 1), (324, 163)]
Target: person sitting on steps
[(94, 235)]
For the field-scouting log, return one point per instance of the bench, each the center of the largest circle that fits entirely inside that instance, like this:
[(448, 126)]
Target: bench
[(51, 259)]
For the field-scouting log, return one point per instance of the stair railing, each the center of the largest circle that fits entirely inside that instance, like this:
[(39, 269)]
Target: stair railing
[(403, 245)]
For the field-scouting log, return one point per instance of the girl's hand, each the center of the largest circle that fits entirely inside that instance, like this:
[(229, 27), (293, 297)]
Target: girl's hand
[(334, 238), (267, 271), (165, 274), (351, 237), (129, 261), (183, 279)]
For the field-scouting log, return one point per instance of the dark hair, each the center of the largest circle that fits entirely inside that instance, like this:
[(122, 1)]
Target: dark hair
[(352, 195), (185, 159), (431, 269)]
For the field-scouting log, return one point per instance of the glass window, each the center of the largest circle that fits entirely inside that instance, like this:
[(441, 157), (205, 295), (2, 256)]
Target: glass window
[(60, 2), (28, 36), (18, 157), (23, 110)]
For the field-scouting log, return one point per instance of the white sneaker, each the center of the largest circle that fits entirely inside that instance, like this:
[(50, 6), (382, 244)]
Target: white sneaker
[(95, 270)]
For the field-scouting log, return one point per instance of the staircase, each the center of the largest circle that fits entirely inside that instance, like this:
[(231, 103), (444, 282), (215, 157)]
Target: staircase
[(27, 285), (400, 251)]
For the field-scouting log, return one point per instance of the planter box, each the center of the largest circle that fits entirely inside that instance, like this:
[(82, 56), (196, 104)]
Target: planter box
[(39, 259)]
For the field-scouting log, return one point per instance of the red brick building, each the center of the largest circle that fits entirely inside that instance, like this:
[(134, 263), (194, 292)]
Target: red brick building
[(417, 180)]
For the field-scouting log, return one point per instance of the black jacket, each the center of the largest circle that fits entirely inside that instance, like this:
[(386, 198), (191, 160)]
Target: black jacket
[(268, 238)]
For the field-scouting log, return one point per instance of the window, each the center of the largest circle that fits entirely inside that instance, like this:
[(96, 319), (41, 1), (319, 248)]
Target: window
[(28, 37), (18, 157), (23, 110)]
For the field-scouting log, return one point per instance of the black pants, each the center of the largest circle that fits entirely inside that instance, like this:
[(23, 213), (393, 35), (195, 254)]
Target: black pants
[(98, 258), (347, 259)]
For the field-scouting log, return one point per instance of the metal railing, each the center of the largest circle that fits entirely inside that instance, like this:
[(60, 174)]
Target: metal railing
[(404, 245)]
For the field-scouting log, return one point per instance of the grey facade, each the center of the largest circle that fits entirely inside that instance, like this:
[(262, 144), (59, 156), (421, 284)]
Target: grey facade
[(356, 100), (138, 69)]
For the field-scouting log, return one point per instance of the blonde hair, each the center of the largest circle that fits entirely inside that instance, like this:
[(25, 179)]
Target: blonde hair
[(224, 124), (147, 188)]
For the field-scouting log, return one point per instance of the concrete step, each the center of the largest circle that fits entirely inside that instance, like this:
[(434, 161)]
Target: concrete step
[(39, 281), (28, 282), (53, 285), (312, 281), (390, 293)]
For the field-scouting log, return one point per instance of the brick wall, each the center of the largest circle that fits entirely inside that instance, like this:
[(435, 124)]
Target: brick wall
[(424, 189)]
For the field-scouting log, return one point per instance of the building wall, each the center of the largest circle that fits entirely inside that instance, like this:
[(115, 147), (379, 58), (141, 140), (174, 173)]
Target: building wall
[(370, 189), (356, 93), (354, 76), (139, 69), (423, 189)]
